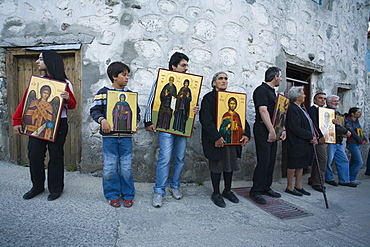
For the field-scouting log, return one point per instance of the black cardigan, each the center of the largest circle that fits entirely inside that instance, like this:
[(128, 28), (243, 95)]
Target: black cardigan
[(299, 133), (210, 134)]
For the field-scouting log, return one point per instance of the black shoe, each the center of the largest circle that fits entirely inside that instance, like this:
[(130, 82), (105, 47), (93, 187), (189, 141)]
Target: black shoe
[(271, 193), (32, 193), (309, 182), (303, 191), (332, 182), (218, 200), (54, 196), (367, 173), (293, 192), (348, 184), (230, 196), (258, 198), (318, 188)]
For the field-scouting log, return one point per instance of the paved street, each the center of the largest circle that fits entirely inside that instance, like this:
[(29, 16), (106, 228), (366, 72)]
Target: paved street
[(82, 216)]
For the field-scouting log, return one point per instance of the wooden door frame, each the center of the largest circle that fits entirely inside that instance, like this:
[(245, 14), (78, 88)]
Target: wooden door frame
[(12, 75), (290, 82)]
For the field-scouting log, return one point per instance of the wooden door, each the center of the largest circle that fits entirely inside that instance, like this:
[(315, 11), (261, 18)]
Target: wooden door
[(20, 66), (296, 76)]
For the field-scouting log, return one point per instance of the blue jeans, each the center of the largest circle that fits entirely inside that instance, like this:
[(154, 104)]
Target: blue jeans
[(117, 170), (169, 146), (336, 152), (356, 162)]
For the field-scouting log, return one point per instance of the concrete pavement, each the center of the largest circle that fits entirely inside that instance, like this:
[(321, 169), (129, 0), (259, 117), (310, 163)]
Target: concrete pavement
[(82, 216)]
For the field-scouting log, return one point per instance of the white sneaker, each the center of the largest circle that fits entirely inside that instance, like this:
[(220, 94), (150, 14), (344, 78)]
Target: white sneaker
[(157, 200), (176, 193)]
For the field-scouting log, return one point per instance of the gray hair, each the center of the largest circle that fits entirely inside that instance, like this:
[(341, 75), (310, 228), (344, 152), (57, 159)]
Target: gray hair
[(330, 98), (214, 78), (294, 93)]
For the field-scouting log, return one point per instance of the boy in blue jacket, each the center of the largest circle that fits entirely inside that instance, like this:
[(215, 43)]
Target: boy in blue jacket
[(117, 146)]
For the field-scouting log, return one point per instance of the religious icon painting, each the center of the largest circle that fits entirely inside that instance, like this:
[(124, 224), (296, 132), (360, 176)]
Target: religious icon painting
[(43, 107), (122, 111), (278, 119), (340, 120), (326, 125), (175, 96), (231, 115), (360, 133)]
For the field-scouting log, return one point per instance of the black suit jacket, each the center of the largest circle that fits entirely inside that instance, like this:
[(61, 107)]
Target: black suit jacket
[(313, 111), (298, 132)]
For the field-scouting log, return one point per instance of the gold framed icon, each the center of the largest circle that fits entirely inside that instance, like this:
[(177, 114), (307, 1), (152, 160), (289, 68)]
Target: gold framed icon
[(43, 107), (122, 111), (279, 117), (175, 96), (231, 115), (326, 125)]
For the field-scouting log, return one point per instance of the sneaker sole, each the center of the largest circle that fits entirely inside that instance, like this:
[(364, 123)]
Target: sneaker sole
[(177, 198)]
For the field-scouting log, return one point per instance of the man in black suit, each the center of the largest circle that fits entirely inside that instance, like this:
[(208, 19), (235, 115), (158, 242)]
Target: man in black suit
[(321, 148)]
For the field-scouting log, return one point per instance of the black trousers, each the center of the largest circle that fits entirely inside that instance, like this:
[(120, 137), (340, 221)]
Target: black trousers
[(36, 155), (322, 156), (266, 156)]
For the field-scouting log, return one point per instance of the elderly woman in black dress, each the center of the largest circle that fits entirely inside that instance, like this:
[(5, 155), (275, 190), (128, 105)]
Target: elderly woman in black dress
[(299, 140), (222, 158)]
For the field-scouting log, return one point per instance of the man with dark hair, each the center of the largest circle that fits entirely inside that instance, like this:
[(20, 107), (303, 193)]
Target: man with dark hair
[(170, 145), (265, 137), (321, 148)]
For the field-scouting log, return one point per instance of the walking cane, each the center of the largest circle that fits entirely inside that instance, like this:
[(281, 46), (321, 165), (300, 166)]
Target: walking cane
[(320, 175)]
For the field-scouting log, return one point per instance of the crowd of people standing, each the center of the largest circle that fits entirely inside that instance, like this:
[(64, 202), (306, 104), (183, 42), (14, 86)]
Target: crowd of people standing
[(304, 141)]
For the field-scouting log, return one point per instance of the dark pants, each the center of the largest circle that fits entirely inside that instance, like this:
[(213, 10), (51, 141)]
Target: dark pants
[(322, 156), (36, 154), (266, 156), (368, 163)]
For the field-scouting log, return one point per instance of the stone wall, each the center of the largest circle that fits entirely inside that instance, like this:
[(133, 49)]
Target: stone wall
[(241, 37), (4, 120)]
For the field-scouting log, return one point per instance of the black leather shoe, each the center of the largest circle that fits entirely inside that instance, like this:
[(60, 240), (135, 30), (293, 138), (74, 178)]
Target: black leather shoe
[(218, 200), (258, 198), (303, 191), (53, 196), (271, 193), (293, 192), (32, 193), (332, 182), (318, 188), (348, 184), (230, 196)]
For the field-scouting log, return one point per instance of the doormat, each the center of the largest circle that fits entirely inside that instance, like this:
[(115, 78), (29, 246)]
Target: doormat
[(274, 206)]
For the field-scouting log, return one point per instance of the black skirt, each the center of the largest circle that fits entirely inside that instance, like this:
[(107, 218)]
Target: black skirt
[(229, 163), (301, 162)]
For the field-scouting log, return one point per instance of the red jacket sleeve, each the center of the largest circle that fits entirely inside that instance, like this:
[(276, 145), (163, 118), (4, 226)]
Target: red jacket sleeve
[(17, 116), (71, 103)]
